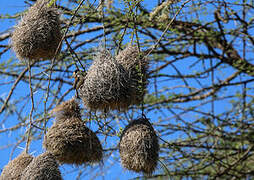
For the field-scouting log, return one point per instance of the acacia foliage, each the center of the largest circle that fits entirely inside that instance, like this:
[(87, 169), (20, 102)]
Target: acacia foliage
[(200, 96)]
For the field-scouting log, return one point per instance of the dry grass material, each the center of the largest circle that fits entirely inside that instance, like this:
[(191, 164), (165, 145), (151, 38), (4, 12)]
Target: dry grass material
[(43, 167), (136, 65), (69, 139), (66, 110), (38, 34), (139, 147), (73, 143), (14, 169), (106, 86)]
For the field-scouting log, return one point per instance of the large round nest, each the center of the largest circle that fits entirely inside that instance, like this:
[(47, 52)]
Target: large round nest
[(106, 84), (139, 147), (136, 65), (43, 167), (14, 169), (38, 34), (72, 142)]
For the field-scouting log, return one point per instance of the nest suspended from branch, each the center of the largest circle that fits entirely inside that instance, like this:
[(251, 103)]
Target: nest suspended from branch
[(136, 65), (69, 139), (38, 34), (41, 168), (73, 143), (106, 85), (139, 147), (14, 169)]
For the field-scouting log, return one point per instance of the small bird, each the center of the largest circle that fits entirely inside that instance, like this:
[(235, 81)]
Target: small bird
[(79, 77)]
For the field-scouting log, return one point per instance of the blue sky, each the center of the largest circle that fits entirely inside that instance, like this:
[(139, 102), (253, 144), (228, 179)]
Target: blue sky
[(115, 172), (10, 7)]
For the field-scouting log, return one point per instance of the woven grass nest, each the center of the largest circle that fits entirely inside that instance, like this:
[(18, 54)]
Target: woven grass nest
[(14, 169), (139, 147), (38, 34), (136, 65), (43, 167), (106, 85), (69, 139)]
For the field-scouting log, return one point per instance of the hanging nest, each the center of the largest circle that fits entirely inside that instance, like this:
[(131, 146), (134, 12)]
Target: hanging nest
[(69, 139), (106, 85), (38, 34), (139, 147), (41, 168), (14, 169), (136, 65), (73, 143)]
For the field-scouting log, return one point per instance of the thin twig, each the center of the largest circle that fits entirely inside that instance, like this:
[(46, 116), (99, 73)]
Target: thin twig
[(101, 11), (52, 63), (13, 88), (32, 109), (76, 56), (168, 26)]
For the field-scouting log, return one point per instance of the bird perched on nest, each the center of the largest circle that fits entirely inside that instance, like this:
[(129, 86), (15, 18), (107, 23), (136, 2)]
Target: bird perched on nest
[(79, 77)]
